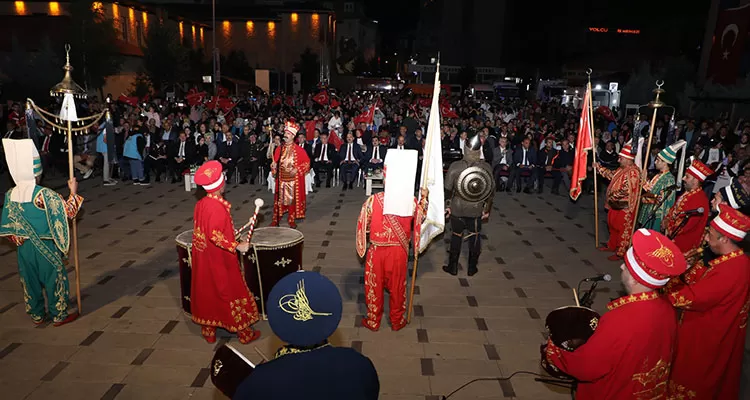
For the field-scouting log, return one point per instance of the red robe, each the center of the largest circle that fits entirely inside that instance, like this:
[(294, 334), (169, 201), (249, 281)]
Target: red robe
[(624, 187), (219, 294), (629, 355), (291, 195), (690, 236), (711, 333), (385, 267)]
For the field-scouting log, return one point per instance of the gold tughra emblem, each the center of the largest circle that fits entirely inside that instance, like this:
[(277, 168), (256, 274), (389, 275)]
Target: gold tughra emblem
[(208, 172), (664, 254), (217, 367), (298, 305)]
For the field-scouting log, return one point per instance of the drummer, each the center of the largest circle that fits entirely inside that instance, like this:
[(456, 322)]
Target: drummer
[(630, 353), (304, 311), (219, 296)]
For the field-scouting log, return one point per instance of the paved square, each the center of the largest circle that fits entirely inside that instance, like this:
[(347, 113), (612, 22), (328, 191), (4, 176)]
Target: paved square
[(134, 342)]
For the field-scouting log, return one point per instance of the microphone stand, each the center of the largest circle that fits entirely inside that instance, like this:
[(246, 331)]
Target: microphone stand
[(680, 226), (652, 214)]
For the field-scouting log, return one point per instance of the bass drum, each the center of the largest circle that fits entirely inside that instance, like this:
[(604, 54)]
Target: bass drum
[(569, 328), (184, 245), (275, 252), (228, 369)]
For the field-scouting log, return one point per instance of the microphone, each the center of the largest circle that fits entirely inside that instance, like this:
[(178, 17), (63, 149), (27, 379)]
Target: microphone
[(697, 211), (599, 278)]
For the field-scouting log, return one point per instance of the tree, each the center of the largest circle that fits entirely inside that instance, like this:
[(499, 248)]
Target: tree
[(92, 36), (235, 65), (309, 66), (141, 85), (164, 58), (30, 74)]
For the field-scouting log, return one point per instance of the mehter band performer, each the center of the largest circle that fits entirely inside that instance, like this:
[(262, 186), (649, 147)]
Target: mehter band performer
[(622, 195), (220, 298), (290, 166), (472, 187), (715, 303), (660, 196), (683, 223), (629, 355), (733, 195), (35, 219), (390, 217), (304, 310)]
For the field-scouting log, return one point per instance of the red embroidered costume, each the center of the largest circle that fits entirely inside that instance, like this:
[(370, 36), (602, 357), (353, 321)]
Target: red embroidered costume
[(711, 334), (622, 195), (220, 297), (690, 236), (385, 267), (629, 355), (290, 166)]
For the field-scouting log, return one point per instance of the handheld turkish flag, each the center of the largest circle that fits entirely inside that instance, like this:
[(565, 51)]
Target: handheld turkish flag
[(321, 98), (334, 139), (584, 143), (728, 44)]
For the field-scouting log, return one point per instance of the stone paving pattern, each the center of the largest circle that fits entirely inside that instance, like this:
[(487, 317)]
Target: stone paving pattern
[(134, 342)]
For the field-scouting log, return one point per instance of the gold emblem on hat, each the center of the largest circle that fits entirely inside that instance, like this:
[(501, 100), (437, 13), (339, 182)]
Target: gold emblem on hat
[(298, 305), (208, 172), (663, 254)]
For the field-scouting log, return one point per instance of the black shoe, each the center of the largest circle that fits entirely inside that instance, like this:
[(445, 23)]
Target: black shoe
[(252, 181), (243, 181), (157, 179), (174, 180), (328, 184), (472, 271), (527, 190), (351, 186), (317, 184), (518, 189), (345, 186), (453, 271)]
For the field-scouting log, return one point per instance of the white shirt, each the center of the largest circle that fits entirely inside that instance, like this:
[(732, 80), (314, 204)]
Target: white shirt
[(376, 153), (523, 160), (481, 153), (349, 156), (323, 152), (165, 135), (400, 147), (461, 145), (181, 153)]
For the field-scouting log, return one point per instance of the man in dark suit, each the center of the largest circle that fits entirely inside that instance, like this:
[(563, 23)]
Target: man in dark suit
[(251, 155), (545, 161), (524, 160), (375, 155), (324, 158), (180, 156), (350, 155), (302, 143), (228, 153)]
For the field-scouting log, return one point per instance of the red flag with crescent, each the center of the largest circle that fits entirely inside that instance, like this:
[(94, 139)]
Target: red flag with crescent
[(321, 98), (728, 44), (606, 112), (584, 143)]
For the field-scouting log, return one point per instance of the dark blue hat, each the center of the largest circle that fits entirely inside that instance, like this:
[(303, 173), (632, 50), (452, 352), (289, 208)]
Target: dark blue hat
[(304, 308), (735, 195)]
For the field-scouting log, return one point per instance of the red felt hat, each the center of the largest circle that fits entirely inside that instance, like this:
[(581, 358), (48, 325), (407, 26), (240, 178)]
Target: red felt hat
[(627, 152), (699, 170), (731, 223), (210, 176), (291, 127), (653, 259)]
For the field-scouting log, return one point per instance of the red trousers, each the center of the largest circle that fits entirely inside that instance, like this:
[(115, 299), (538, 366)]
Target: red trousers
[(289, 210), (620, 231), (385, 269)]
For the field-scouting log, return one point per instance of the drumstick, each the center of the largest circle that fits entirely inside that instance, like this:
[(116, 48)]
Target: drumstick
[(260, 353), (258, 205), (575, 294), (250, 223)]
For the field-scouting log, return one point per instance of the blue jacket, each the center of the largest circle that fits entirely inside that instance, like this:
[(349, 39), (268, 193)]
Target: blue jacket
[(132, 148)]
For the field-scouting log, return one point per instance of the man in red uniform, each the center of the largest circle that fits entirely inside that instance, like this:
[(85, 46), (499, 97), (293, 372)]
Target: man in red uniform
[(622, 195), (629, 355), (219, 296), (715, 304), (290, 166), (388, 217), (686, 210)]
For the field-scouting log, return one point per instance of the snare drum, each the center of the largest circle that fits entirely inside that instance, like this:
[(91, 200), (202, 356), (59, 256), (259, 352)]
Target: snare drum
[(184, 244), (228, 369), (275, 252)]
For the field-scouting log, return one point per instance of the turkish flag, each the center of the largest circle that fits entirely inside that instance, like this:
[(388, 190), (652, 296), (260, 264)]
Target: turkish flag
[(334, 139), (447, 111), (606, 112), (584, 143), (129, 100), (321, 98), (728, 44)]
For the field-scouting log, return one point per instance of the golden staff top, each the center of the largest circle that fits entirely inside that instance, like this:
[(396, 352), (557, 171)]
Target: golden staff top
[(67, 86)]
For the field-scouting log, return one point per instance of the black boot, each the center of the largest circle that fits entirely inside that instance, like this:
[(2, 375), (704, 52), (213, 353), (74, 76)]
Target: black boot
[(472, 270), (453, 271)]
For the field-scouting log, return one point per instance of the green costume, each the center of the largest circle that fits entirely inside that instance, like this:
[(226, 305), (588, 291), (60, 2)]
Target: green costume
[(41, 229), (657, 186)]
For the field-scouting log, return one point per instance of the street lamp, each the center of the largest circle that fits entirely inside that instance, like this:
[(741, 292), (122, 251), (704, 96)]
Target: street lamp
[(63, 123)]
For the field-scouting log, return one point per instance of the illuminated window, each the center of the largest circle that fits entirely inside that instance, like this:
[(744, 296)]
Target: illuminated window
[(193, 35), (182, 31), (97, 6), (295, 17), (202, 42), (20, 7), (226, 28), (250, 27), (315, 26), (271, 30), (115, 12), (145, 19), (54, 8)]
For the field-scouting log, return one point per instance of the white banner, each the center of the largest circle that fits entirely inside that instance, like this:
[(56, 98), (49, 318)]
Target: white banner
[(432, 173)]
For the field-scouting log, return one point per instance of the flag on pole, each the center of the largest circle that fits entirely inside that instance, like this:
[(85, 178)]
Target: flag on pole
[(584, 143), (432, 173)]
